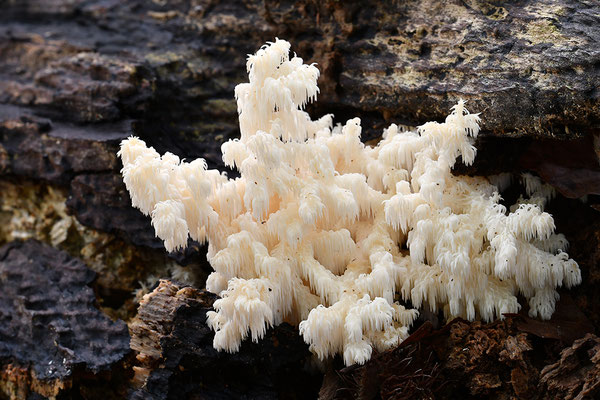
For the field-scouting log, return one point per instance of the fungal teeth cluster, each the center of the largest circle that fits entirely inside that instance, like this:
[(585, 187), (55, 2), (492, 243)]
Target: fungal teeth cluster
[(329, 234)]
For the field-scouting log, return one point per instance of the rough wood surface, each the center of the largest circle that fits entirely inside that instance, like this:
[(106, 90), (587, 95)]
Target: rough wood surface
[(530, 66), (52, 338), (176, 360), (577, 374), (463, 360)]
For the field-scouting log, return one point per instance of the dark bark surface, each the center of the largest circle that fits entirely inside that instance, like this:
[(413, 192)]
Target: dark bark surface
[(52, 336), (530, 67), (78, 76)]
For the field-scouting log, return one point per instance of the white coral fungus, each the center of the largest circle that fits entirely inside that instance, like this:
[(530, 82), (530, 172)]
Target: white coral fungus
[(326, 232)]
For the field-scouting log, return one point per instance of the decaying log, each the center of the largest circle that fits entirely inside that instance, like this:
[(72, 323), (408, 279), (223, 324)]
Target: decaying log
[(76, 77), (176, 360), (577, 374), (472, 360)]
